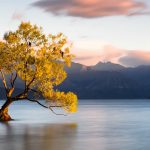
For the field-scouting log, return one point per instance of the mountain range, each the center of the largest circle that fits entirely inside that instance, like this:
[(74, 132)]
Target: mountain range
[(108, 81), (104, 81)]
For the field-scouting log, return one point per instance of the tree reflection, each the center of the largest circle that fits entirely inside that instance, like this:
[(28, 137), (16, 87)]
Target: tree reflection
[(38, 137)]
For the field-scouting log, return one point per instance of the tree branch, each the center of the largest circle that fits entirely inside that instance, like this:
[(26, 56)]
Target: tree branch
[(26, 90), (32, 100), (55, 112), (34, 90), (20, 96), (25, 67), (31, 80), (16, 99), (12, 81), (4, 81), (15, 79)]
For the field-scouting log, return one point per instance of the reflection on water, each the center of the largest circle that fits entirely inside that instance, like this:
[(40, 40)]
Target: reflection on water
[(98, 125), (41, 137)]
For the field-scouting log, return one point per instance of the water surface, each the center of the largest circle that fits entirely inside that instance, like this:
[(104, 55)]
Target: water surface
[(98, 125)]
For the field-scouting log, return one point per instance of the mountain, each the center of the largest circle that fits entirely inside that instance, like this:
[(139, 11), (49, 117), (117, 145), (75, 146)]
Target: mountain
[(107, 66), (104, 84), (104, 81), (108, 81), (140, 74), (100, 66), (75, 67)]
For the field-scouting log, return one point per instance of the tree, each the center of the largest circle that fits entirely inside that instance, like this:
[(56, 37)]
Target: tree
[(38, 60)]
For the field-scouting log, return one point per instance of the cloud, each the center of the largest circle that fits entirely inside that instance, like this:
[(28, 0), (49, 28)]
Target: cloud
[(110, 53), (17, 15), (93, 8), (91, 57), (83, 58), (116, 55), (135, 58), (125, 57)]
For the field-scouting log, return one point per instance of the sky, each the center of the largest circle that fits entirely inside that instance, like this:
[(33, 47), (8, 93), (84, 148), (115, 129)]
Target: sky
[(100, 30)]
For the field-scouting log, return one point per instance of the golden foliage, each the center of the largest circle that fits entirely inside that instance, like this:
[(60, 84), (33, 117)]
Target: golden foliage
[(41, 58)]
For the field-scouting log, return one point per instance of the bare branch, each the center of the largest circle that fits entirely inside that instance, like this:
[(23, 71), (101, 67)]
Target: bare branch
[(35, 91), (32, 100), (15, 79), (56, 106), (12, 81), (30, 82), (55, 112)]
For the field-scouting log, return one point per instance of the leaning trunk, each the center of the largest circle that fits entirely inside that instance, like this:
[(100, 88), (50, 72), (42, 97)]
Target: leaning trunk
[(4, 116)]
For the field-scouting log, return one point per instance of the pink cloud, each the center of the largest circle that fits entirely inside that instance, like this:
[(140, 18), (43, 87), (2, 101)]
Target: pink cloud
[(115, 55), (91, 57), (93, 8), (135, 58), (110, 53), (140, 54)]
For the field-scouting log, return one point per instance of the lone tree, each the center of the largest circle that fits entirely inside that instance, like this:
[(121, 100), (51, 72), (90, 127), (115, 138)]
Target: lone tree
[(38, 60)]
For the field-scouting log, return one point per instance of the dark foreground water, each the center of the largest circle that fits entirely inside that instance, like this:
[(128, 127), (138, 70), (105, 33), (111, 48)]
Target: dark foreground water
[(98, 125)]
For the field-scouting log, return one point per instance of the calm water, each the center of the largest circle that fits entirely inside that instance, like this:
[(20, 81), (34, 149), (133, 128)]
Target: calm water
[(98, 125)]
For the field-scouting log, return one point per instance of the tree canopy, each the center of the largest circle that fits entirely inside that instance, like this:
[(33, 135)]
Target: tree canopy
[(38, 60)]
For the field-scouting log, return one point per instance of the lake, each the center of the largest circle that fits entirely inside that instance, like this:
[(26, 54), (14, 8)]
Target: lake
[(98, 125)]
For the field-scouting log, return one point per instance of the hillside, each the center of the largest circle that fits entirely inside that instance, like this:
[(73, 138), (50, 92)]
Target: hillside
[(108, 81)]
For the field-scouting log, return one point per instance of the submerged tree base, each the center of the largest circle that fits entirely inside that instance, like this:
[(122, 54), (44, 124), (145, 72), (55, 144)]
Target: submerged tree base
[(4, 116)]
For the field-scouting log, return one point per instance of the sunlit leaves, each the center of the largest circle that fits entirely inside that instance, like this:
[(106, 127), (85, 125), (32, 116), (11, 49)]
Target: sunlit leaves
[(68, 100), (31, 60), (33, 55)]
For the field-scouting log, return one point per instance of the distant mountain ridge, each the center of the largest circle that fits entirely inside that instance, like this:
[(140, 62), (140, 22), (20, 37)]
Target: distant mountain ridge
[(108, 81), (104, 81), (100, 66), (107, 66)]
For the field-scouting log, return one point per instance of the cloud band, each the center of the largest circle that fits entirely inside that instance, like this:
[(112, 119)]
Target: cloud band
[(92, 8)]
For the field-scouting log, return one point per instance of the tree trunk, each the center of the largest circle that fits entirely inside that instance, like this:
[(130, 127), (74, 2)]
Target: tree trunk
[(4, 116)]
